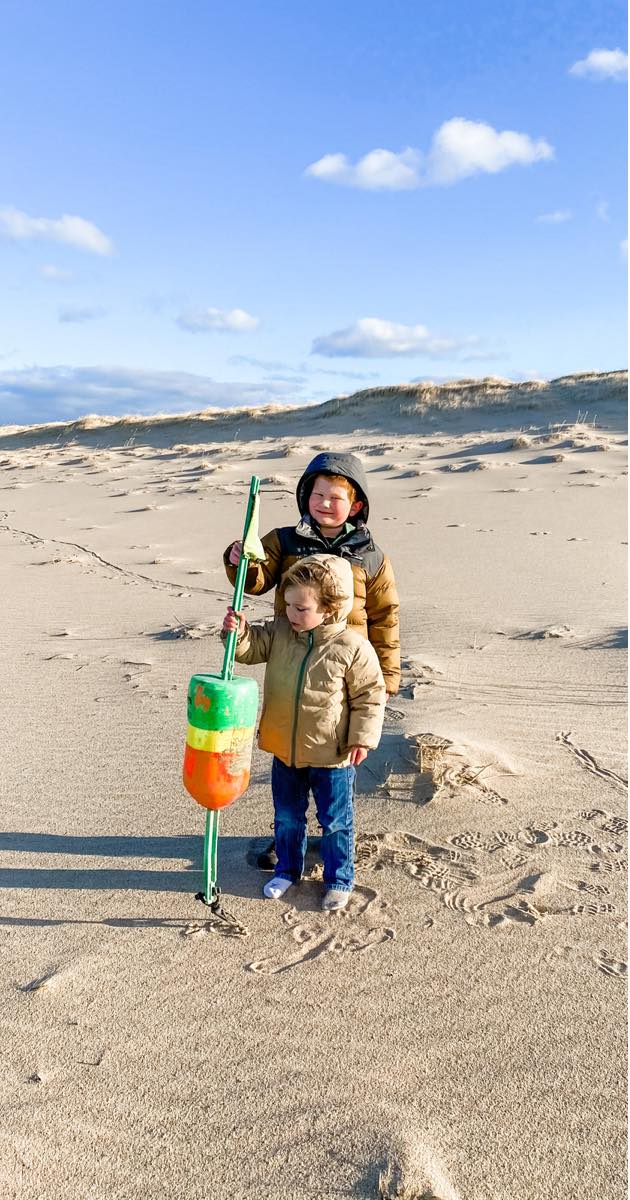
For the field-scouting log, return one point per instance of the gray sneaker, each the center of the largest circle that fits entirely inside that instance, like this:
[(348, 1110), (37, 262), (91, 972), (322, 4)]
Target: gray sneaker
[(334, 900)]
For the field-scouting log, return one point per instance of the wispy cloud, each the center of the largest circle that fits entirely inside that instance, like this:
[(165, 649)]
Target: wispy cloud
[(65, 393), (303, 369), (77, 316), (371, 337), (264, 364), (623, 248), (558, 217), (601, 64), (378, 170), (74, 231), (459, 148), (603, 211), (361, 376), (216, 320), (57, 274)]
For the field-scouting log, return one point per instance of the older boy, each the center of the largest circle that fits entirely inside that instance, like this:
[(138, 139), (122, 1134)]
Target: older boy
[(332, 497)]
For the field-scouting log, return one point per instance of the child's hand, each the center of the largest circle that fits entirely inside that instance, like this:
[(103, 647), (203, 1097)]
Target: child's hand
[(357, 755), (233, 620), (235, 553)]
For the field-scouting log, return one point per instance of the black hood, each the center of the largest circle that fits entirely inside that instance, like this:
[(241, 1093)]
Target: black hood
[(347, 465)]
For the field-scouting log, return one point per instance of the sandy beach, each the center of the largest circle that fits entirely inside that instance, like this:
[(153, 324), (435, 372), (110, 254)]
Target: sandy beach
[(458, 1032)]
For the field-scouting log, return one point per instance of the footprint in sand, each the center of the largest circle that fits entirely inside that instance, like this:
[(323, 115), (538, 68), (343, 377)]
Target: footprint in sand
[(495, 898), (591, 908), (592, 889), (435, 867), (414, 1170), (610, 966), (611, 865), (468, 840), (606, 821)]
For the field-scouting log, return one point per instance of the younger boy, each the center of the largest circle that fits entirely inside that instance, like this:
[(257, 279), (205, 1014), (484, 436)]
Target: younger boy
[(322, 712)]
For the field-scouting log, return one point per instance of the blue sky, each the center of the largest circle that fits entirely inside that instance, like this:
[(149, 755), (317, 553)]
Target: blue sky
[(218, 203)]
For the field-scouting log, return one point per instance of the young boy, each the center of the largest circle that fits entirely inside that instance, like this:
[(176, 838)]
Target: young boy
[(323, 707), (332, 497)]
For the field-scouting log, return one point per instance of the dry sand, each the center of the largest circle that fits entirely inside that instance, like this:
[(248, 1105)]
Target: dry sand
[(458, 1031)]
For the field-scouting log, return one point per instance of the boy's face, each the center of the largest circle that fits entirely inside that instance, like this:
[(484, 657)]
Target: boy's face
[(330, 505), (303, 611)]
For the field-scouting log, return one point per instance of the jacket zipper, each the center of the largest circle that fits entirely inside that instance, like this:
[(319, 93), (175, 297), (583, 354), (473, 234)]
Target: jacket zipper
[(298, 690)]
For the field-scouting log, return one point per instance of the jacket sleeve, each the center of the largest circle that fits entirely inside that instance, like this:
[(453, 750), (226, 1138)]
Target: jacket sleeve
[(260, 577), (366, 698), (254, 644), (381, 604)]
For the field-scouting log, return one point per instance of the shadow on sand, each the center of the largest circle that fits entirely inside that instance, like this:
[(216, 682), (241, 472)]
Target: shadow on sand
[(235, 874)]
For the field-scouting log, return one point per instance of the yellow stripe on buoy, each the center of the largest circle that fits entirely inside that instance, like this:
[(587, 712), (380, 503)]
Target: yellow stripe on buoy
[(218, 740)]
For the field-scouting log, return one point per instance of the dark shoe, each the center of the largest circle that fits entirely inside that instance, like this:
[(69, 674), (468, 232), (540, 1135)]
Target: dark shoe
[(268, 860)]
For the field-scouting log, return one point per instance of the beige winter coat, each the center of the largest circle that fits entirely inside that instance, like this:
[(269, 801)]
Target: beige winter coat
[(375, 610), (324, 691)]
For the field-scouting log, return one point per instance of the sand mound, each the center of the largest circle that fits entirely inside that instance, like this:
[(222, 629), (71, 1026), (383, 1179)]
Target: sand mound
[(406, 406)]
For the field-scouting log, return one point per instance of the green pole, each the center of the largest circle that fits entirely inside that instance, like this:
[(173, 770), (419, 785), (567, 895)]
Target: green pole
[(211, 836), (210, 890), (239, 585), (206, 842)]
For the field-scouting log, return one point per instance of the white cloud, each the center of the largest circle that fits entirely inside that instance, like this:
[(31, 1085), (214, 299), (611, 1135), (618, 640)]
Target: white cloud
[(215, 320), (56, 273), (75, 231), (378, 170), (371, 337), (65, 393), (459, 148), (558, 217), (601, 64), (73, 315), (603, 211), (623, 248)]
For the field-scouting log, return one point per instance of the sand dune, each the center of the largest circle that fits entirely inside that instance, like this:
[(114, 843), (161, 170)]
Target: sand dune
[(403, 407), (458, 1031)]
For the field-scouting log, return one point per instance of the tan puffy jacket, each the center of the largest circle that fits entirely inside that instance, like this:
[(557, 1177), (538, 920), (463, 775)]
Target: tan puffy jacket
[(374, 613), (324, 691)]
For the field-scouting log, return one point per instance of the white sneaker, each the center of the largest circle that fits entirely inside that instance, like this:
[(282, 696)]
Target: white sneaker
[(334, 900), (276, 888)]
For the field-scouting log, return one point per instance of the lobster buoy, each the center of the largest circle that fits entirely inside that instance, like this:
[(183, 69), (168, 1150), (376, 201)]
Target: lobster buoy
[(221, 725)]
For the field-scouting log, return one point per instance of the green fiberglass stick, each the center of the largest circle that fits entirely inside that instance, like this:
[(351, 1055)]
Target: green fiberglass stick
[(250, 534), (221, 721)]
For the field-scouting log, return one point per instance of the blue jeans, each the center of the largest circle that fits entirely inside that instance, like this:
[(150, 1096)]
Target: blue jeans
[(333, 790)]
